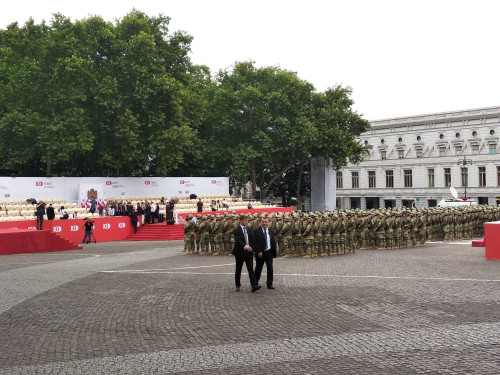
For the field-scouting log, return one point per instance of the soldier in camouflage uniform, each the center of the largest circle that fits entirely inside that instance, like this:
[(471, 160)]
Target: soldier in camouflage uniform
[(390, 233), (308, 236), (287, 239), (422, 228), (364, 224), (380, 230), (227, 230), (211, 232), (327, 234), (189, 229), (335, 234), (342, 234), (413, 228), (218, 231), (350, 226), (198, 244), (296, 235), (277, 233), (204, 234)]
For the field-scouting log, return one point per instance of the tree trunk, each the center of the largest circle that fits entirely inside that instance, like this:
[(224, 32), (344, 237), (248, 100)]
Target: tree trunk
[(48, 171), (275, 177), (254, 182), (299, 180)]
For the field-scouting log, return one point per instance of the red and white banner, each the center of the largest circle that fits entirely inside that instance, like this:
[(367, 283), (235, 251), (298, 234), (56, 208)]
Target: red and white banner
[(105, 229), (67, 188)]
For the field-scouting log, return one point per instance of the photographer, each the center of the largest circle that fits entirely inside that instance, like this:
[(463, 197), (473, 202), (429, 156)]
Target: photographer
[(89, 224), (40, 212)]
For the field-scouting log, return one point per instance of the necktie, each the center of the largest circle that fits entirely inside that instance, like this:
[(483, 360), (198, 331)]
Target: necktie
[(267, 239), (246, 235)]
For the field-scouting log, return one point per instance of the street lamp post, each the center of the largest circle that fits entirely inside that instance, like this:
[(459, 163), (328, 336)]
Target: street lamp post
[(465, 163)]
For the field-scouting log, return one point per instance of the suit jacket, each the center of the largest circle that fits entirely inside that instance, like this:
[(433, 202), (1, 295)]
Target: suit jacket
[(239, 242), (259, 241)]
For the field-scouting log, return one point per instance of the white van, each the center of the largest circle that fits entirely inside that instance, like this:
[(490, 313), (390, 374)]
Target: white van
[(456, 203)]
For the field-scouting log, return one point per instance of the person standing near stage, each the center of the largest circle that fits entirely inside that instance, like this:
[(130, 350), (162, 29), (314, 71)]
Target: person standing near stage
[(134, 219), (243, 252), (265, 251), (51, 214), (200, 205), (87, 238), (40, 212)]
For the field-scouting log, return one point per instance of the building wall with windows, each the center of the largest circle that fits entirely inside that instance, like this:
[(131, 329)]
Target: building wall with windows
[(413, 161)]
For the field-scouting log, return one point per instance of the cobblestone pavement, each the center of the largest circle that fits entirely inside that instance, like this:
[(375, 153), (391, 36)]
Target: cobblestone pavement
[(146, 308)]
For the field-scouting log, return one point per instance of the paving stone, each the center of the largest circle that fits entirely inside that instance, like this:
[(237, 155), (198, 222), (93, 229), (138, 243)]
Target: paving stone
[(148, 308)]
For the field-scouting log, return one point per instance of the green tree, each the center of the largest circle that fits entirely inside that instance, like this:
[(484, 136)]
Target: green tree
[(265, 122), (91, 97)]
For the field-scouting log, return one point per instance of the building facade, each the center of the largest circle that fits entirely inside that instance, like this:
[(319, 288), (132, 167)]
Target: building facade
[(414, 161)]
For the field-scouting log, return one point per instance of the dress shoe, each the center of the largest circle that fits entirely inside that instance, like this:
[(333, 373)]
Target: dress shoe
[(255, 288), (237, 289), (270, 287)]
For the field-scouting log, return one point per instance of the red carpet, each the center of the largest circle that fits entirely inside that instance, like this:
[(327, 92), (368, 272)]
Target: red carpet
[(158, 232), (18, 241)]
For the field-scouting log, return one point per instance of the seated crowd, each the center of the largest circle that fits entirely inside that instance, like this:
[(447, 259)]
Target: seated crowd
[(152, 208)]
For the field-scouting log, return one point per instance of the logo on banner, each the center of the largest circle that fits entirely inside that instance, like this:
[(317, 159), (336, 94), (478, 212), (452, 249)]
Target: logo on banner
[(39, 183), (147, 182), (106, 226), (214, 181), (57, 229), (92, 194), (74, 228), (109, 182), (121, 225)]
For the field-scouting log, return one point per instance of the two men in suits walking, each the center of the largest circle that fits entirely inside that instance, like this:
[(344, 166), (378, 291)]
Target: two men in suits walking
[(259, 242), (265, 251), (243, 252)]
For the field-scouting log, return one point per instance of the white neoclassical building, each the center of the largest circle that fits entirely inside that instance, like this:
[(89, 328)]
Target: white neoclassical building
[(415, 160)]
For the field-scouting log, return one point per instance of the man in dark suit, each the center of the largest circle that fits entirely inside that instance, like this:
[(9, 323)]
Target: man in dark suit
[(243, 252), (265, 250), (51, 214)]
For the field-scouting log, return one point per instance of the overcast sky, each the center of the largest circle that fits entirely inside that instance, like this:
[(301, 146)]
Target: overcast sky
[(400, 57)]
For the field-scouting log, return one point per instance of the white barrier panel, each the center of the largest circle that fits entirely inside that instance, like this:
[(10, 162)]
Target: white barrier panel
[(67, 188)]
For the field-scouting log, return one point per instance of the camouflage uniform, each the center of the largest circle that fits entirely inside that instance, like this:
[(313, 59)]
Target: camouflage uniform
[(308, 236), (218, 231), (189, 229), (204, 234), (286, 233), (335, 235)]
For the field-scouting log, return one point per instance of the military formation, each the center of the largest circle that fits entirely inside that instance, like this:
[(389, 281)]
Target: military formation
[(342, 231)]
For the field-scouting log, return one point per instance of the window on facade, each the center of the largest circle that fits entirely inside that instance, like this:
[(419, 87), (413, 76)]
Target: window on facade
[(420, 153), (371, 179), (458, 150), (463, 176), (447, 177), (355, 180), (401, 154), (493, 149), (389, 179), (482, 176), (340, 182), (408, 178), (442, 151), (430, 177), (475, 149), (383, 154)]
